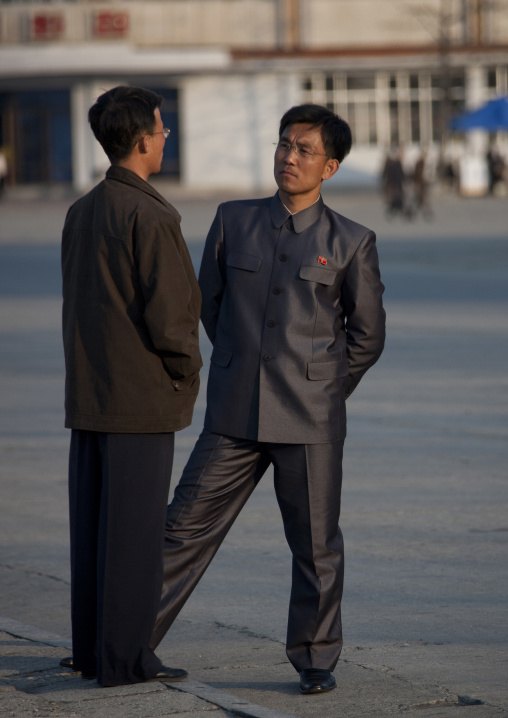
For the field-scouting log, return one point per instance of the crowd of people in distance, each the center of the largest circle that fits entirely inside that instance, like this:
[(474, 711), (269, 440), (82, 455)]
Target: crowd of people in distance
[(406, 186), (407, 193)]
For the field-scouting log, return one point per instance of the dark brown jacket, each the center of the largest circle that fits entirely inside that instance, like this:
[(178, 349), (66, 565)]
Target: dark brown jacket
[(130, 311)]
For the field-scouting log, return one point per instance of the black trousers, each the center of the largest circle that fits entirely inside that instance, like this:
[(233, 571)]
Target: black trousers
[(118, 495), (219, 477)]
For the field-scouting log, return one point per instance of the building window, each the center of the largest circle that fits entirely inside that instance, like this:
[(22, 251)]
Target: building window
[(169, 113), (436, 120), (497, 80), (37, 131), (394, 122), (388, 108), (492, 78), (362, 82), (415, 122)]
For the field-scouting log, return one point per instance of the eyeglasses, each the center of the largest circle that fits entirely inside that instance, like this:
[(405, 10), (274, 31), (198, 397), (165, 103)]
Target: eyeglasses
[(164, 132), (283, 147)]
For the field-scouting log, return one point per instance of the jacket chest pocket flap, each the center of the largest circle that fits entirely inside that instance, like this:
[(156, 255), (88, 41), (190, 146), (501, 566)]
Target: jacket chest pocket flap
[(319, 371), (317, 274), (240, 260)]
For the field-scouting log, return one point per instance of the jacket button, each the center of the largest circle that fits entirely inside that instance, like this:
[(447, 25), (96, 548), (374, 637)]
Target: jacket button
[(271, 323), (283, 257), (267, 357), (277, 290), (176, 384)]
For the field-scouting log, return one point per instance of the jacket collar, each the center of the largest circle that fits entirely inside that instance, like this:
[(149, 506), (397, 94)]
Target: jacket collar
[(121, 174), (301, 220)]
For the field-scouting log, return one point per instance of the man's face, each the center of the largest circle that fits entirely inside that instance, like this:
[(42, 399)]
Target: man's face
[(157, 141), (301, 172)]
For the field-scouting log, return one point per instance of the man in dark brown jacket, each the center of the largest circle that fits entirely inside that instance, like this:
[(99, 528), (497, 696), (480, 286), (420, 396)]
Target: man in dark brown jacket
[(130, 330)]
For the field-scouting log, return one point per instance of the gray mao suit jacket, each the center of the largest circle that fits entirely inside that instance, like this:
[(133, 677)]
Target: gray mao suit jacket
[(293, 308)]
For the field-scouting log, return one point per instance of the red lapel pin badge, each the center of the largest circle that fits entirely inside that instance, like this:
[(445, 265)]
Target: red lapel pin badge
[(322, 260)]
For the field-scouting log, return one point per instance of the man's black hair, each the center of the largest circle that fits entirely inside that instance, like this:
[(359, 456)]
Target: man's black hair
[(335, 132), (120, 116)]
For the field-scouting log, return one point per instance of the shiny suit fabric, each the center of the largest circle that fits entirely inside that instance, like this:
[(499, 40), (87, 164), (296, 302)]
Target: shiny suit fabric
[(293, 308), (220, 475)]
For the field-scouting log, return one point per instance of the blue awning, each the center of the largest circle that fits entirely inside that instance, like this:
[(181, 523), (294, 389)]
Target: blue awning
[(492, 116)]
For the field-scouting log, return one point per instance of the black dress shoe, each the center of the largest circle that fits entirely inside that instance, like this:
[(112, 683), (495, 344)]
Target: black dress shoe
[(68, 662), (316, 680), (165, 674), (170, 674)]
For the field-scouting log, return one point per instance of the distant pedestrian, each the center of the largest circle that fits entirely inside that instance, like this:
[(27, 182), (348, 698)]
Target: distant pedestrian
[(496, 166), (392, 182), (422, 180), (131, 306)]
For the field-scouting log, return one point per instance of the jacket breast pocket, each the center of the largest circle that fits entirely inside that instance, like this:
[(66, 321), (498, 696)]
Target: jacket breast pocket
[(320, 371), (241, 260), (317, 274), (221, 357)]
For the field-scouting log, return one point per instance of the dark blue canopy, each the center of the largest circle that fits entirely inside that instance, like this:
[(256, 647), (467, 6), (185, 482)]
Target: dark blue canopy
[(492, 116)]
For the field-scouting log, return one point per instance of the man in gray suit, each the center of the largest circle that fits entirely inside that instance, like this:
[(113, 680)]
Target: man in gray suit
[(292, 303)]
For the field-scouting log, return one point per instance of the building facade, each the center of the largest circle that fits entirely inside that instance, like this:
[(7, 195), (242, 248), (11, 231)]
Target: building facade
[(397, 70)]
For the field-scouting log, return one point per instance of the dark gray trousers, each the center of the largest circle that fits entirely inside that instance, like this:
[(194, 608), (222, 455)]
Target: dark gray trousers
[(118, 495), (220, 475)]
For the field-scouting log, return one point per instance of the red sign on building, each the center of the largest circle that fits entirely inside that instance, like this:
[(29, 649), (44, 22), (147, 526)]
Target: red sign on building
[(111, 24), (47, 26)]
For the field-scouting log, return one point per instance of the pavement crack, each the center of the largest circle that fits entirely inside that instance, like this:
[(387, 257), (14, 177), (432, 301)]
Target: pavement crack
[(449, 700), (28, 572), (236, 667), (248, 632)]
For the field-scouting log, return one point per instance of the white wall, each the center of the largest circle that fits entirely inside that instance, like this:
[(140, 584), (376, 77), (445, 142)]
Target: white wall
[(89, 161), (388, 23), (228, 125)]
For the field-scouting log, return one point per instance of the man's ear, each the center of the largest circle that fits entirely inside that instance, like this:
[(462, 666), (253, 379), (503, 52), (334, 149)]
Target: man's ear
[(331, 167), (143, 144)]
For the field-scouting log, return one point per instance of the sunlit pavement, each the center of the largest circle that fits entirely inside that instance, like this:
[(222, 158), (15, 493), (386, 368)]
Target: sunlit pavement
[(424, 501)]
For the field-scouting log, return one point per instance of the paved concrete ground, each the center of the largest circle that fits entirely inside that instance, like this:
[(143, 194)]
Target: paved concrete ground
[(424, 501)]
